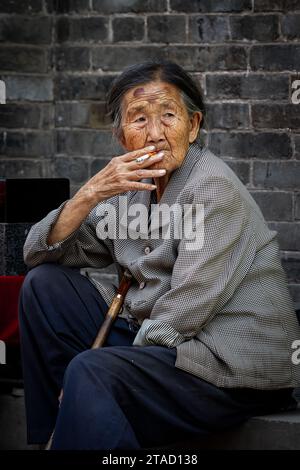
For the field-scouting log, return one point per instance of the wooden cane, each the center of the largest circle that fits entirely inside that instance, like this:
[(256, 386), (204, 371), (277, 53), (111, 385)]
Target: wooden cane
[(113, 310), (110, 317)]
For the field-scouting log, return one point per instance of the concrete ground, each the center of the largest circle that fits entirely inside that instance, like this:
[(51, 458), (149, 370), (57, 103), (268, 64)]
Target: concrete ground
[(280, 431)]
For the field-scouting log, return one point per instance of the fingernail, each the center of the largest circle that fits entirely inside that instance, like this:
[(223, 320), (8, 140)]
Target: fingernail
[(160, 154), (162, 172), (152, 147)]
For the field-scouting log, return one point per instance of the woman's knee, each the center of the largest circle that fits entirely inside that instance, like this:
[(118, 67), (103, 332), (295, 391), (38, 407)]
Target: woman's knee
[(43, 276), (96, 364), (39, 274), (38, 280)]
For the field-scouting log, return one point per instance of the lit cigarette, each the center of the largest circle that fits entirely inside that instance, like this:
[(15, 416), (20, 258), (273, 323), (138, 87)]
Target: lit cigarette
[(145, 157)]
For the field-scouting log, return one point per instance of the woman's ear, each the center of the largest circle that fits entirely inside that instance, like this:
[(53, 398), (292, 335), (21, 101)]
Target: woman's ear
[(195, 122)]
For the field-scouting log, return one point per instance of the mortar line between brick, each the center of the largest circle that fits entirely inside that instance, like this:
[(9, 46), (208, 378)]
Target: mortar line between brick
[(94, 13), (133, 44)]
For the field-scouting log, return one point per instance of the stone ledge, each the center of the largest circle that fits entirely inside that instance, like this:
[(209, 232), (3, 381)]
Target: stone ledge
[(272, 432), (279, 431)]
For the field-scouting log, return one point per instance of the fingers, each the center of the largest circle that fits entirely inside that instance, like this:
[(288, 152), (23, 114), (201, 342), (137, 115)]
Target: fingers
[(130, 156), (136, 186), (145, 161), (138, 167), (144, 173), (125, 172)]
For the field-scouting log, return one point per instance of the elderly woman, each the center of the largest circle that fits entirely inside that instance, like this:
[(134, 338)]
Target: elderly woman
[(205, 337)]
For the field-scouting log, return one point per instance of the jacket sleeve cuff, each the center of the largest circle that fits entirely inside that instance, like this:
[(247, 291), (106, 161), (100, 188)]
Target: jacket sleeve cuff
[(36, 249), (157, 332)]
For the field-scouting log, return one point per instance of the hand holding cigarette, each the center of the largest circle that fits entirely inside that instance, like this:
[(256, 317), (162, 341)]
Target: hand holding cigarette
[(121, 174), (147, 155)]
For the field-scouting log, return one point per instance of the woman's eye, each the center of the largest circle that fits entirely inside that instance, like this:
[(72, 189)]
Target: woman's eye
[(140, 119), (169, 115)]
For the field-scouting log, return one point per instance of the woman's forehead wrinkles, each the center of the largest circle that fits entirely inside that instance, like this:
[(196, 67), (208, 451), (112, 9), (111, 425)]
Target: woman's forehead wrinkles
[(150, 93), (150, 96), (163, 102)]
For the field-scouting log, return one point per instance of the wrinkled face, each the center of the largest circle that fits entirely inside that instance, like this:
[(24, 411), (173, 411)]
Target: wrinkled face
[(155, 114)]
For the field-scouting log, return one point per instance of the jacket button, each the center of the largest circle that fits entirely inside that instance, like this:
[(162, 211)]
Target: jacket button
[(147, 250), (142, 285)]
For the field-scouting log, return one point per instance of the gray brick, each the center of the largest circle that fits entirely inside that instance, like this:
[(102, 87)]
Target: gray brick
[(84, 87), (14, 116), (241, 169), (202, 59), (72, 58), (252, 86), (21, 168), (288, 235), (133, 6), (29, 144), (227, 116), (254, 28), (251, 145), (128, 29), (46, 116), (275, 205), (98, 164), (207, 6), (297, 206), (275, 116), (23, 59), (26, 115), (291, 264), (86, 115), (91, 29), (109, 58), (30, 30), (297, 146), (76, 169), (67, 6), (281, 175), (276, 5), (290, 26), (275, 57), (28, 88), (209, 28), (86, 143), (167, 28), (192, 58), (15, 6)]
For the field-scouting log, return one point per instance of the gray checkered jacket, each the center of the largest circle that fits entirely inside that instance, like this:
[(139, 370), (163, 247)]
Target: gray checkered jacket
[(225, 307)]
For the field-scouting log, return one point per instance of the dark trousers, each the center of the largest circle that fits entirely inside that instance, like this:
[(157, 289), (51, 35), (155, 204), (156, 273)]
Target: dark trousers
[(120, 396)]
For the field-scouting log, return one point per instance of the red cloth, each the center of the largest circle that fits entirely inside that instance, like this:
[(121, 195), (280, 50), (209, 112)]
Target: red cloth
[(9, 295)]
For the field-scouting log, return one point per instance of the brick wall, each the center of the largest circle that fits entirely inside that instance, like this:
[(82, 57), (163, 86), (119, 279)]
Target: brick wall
[(58, 59)]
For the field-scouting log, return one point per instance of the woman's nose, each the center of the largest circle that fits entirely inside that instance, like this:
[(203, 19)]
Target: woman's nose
[(155, 131)]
